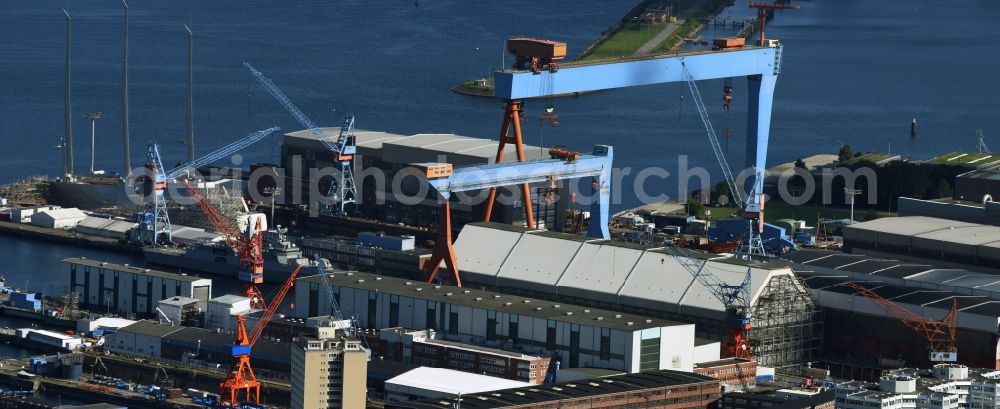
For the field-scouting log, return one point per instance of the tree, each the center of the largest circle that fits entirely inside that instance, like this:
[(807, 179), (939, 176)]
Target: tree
[(722, 189), (939, 189), (845, 153), (695, 207), (800, 164), (870, 215)]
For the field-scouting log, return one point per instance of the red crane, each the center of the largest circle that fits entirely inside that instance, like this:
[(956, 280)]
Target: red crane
[(249, 250), (940, 334), (762, 10), (240, 377)]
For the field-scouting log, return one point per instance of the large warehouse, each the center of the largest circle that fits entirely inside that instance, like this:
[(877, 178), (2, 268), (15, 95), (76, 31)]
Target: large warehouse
[(640, 280), (857, 330), (927, 238), (131, 291), (382, 155), (579, 336)]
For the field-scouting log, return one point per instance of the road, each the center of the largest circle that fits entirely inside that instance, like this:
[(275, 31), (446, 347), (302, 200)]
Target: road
[(669, 29)]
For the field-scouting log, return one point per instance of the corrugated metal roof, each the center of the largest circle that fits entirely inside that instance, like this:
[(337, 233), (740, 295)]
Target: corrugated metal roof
[(65, 213), (135, 270), (596, 269), (100, 223), (524, 306), (907, 225)]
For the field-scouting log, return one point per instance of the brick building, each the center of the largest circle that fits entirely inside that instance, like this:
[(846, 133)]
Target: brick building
[(420, 348), (653, 389), (734, 373)]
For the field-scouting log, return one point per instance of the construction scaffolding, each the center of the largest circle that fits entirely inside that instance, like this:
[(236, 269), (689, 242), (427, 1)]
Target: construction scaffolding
[(787, 325), (28, 191)]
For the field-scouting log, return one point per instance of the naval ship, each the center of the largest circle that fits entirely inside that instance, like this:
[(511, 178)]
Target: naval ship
[(281, 256)]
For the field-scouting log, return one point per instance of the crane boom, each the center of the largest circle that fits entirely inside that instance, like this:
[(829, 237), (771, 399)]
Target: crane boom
[(343, 190), (735, 298), (272, 307), (321, 265), (713, 139), (221, 152), (940, 334)]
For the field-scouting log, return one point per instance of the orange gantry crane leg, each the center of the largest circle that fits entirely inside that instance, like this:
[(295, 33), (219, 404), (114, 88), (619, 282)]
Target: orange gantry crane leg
[(513, 115), (443, 249), (240, 376)]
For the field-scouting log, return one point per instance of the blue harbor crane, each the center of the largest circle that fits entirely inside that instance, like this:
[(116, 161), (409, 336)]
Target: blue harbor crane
[(342, 190), (564, 165), (760, 65), (349, 325), (154, 221)]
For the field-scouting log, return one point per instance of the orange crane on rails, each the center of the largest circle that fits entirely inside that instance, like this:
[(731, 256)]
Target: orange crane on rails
[(940, 334), (762, 9), (249, 249)]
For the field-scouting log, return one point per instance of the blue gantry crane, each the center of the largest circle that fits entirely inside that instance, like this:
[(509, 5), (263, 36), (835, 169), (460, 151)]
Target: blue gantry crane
[(760, 65), (154, 220), (486, 177), (342, 190)]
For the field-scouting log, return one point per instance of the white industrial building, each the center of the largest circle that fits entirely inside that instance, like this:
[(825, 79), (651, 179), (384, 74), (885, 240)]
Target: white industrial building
[(946, 386), (928, 239), (142, 338), (187, 236), (131, 291), (174, 310), (579, 336), (642, 280), (23, 214), (87, 325), (424, 383), (51, 338), (110, 228), (58, 218), (222, 311)]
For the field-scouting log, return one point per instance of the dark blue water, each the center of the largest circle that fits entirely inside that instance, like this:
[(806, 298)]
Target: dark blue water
[(854, 71)]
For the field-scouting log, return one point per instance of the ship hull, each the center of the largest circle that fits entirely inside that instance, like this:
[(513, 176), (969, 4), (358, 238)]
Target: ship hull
[(217, 263)]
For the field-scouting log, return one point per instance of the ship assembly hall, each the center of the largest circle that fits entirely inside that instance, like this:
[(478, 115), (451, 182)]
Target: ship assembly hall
[(346, 297)]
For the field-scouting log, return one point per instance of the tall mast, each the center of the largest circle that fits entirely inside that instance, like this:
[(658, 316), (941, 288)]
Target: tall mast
[(126, 156), (68, 138), (190, 96)]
